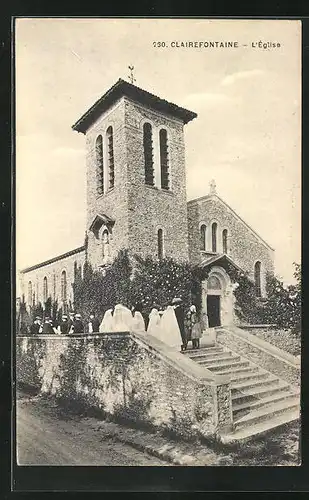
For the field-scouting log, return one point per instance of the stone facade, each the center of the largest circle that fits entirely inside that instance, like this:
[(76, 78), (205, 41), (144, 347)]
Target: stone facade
[(70, 263), (244, 246)]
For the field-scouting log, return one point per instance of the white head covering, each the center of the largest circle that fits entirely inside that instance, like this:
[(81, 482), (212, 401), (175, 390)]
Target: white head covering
[(193, 308), (154, 322), (122, 319), (169, 329), (138, 323), (107, 322)]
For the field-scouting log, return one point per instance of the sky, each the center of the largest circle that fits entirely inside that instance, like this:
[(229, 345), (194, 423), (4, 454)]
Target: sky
[(247, 135)]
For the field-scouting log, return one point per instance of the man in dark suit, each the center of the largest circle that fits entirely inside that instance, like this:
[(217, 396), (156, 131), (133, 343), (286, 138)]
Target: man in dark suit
[(35, 327), (78, 325), (93, 324), (180, 316)]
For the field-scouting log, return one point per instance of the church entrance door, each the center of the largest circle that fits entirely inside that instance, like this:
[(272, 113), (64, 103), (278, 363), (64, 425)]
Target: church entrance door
[(213, 308)]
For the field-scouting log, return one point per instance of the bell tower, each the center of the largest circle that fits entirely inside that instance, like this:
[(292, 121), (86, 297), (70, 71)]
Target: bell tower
[(136, 183)]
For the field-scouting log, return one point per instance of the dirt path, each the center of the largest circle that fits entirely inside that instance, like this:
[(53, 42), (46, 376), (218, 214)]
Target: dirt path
[(44, 438)]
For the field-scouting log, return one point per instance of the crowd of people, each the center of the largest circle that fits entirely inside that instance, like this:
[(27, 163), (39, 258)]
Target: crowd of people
[(173, 325)]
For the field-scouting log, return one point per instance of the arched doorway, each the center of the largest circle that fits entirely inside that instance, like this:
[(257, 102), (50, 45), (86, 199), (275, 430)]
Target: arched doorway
[(218, 298), (214, 292)]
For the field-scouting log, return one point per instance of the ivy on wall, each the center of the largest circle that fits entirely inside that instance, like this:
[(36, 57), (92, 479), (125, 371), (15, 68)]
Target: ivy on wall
[(130, 281)]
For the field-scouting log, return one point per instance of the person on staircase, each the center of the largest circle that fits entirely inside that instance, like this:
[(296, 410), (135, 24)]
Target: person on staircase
[(196, 330), (177, 304)]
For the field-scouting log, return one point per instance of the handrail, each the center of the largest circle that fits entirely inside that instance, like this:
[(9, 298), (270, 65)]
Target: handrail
[(179, 361), (264, 345)]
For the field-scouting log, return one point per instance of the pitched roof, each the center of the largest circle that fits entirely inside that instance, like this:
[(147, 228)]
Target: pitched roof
[(213, 196), (54, 259), (100, 219), (217, 258), (122, 88)]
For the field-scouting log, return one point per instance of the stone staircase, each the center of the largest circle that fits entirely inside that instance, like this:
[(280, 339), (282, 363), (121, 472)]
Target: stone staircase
[(260, 400)]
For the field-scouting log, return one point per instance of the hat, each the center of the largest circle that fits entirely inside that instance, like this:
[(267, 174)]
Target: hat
[(77, 315), (38, 317), (193, 308), (64, 316), (47, 318), (176, 300)]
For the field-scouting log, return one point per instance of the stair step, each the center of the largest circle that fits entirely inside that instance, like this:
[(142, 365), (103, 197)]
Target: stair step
[(244, 385), (232, 371), (237, 364), (250, 376), (203, 350), (268, 412), (212, 356), (223, 360), (251, 405), (259, 393), (260, 427)]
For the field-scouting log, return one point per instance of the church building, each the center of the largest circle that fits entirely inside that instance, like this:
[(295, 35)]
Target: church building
[(136, 200)]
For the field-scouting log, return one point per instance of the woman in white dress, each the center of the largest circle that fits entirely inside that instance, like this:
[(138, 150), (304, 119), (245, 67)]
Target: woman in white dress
[(154, 322), (122, 319), (138, 323), (107, 322), (169, 329)]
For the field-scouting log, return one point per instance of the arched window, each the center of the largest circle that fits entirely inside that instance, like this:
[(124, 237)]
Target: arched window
[(160, 244), (105, 244), (257, 278), (45, 289), (64, 286), (54, 286), (203, 237), (110, 157), (164, 159), (148, 154), (30, 293), (99, 165), (214, 236), (224, 240)]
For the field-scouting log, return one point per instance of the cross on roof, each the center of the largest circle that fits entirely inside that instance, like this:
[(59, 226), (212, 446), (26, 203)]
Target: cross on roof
[(131, 75), (212, 185)]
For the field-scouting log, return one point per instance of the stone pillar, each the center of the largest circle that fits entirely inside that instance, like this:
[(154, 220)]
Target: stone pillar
[(227, 306), (223, 416), (204, 316)]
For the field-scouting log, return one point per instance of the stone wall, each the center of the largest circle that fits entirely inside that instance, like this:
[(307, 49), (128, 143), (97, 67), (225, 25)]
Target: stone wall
[(118, 375), (244, 246), (262, 353)]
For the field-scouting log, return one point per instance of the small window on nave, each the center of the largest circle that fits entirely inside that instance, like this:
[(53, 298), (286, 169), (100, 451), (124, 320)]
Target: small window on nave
[(164, 160), (148, 154), (30, 293), (64, 286), (45, 289), (257, 278)]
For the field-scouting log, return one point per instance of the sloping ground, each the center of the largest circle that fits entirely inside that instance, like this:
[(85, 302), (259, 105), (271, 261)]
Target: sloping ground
[(108, 443), (283, 339)]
